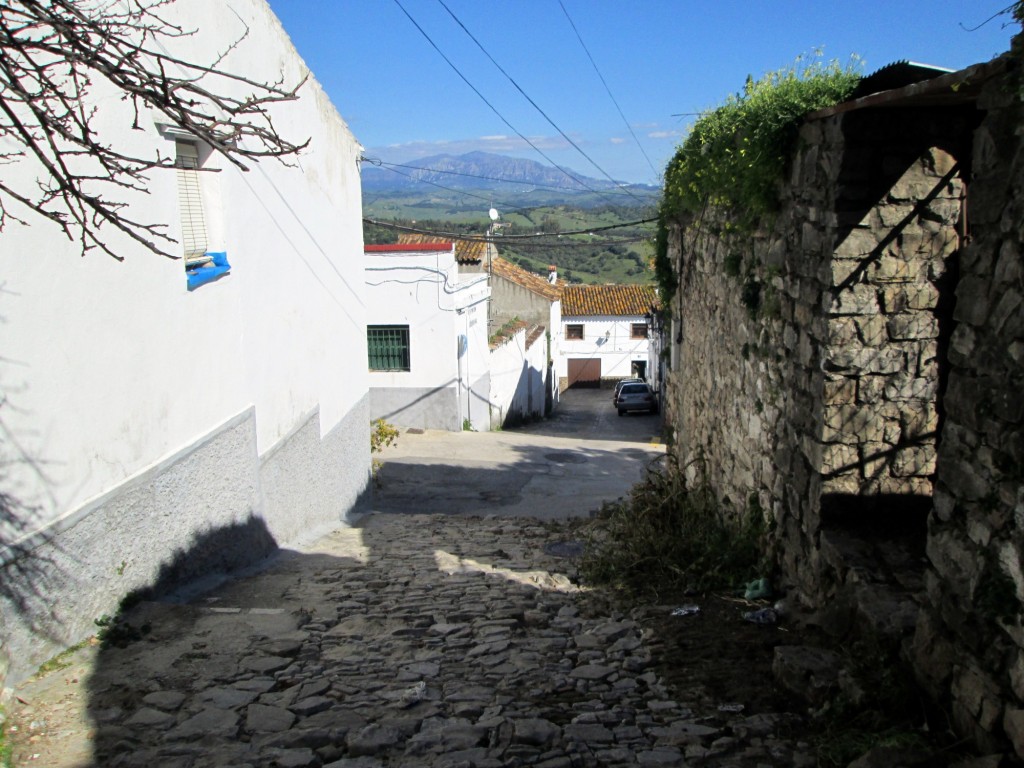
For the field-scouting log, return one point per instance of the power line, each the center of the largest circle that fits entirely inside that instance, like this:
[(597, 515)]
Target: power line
[(506, 238), (488, 103), (527, 97), (489, 199), (389, 166), (609, 90)]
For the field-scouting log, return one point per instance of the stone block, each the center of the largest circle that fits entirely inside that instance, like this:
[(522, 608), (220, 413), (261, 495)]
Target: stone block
[(865, 360), (874, 459), (1013, 725), (858, 299), (956, 564), (891, 215), (914, 461), (857, 244), (840, 390), (972, 300), (892, 268), (853, 424), (912, 325), (1007, 317), (903, 387), (871, 330), (837, 457), (809, 672)]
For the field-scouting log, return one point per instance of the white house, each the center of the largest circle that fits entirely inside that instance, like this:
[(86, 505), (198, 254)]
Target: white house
[(523, 381), (604, 333), (426, 337), (158, 424)]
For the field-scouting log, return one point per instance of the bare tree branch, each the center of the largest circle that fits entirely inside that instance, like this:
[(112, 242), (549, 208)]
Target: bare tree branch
[(52, 52)]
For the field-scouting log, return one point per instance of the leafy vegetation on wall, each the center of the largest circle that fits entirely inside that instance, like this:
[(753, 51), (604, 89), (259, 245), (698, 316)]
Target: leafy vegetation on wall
[(735, 156)]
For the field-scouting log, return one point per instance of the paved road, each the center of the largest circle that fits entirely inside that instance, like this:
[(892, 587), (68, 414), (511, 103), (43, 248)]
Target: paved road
[(563, 467)]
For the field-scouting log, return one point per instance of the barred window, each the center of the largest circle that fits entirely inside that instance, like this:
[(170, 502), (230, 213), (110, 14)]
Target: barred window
[(574, 332), (388, 347), (638, 331)]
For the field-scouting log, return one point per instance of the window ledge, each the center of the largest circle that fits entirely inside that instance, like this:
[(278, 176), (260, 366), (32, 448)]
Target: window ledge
[(208, 272)]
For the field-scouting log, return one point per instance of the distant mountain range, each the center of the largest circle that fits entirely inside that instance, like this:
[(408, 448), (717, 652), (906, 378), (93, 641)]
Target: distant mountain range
[(484, 171)]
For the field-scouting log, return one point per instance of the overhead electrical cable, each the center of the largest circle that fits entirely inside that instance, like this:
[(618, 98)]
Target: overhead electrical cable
[(609, 90), (489, 199), (506, 238), (492, 107), (386, 165), (532, 102)]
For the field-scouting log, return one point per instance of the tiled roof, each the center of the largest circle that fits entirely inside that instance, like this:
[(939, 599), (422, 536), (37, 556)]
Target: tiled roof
[(407, 248), (528, 280), (578, 300), (466, 251)]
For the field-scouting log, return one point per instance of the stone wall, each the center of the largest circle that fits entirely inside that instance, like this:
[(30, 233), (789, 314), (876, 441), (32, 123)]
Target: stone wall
[(969, 643), (855, 369)]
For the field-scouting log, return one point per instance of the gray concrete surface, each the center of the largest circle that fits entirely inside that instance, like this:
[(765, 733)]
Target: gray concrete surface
[(563, 467)]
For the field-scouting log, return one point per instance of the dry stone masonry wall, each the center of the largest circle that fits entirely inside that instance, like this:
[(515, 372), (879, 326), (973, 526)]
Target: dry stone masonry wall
[(857, 366)]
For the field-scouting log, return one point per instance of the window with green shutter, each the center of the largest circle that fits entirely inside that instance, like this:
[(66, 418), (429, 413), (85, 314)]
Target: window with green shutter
[(388, 347)]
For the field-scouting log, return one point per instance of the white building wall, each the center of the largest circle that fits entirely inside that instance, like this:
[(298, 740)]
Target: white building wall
[(141, 418), (606, 337), (447, 381)]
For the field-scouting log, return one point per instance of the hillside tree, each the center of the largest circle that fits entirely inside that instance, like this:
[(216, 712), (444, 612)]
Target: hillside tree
[(54, 53)]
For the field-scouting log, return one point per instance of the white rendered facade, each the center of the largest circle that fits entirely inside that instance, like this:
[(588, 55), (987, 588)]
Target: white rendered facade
[(417, 293), (151, 431)]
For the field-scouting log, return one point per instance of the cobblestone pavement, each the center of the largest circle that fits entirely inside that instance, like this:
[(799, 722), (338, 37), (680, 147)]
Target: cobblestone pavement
[(408, 640)]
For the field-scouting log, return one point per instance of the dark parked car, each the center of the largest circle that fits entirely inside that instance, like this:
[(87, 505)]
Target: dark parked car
[(636, 397)]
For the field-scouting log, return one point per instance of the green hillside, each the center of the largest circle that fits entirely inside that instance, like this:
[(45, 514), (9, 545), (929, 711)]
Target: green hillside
[(620, 255)]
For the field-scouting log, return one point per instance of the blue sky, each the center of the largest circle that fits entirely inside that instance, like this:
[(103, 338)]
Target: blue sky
[(659, 58)]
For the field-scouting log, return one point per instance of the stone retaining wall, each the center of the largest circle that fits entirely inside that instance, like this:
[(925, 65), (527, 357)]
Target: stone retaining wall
[(844, 367)]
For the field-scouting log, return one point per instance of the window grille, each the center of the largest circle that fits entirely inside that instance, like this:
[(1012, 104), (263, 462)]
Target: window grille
[(388, 347), (574, 332), (638, 331)]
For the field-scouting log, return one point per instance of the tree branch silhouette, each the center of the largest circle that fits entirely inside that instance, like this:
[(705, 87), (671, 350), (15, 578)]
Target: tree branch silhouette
[(52, 55)]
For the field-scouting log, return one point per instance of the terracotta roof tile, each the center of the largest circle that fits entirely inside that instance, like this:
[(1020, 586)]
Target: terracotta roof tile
[(466, 251), (528, 280), (579, 300)]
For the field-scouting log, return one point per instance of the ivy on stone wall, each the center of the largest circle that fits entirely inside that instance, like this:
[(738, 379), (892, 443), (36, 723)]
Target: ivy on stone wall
[(735, 155)]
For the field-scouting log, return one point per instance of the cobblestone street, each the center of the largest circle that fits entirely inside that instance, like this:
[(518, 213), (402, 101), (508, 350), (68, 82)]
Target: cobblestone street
[(406, 641)]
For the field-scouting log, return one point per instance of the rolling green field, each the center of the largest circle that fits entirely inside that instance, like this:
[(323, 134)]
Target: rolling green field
[(621, 255)]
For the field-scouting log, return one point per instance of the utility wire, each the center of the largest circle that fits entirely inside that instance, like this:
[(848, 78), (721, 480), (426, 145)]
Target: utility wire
[(488, 103), (609, 90), (489, 199), (506, 238), (389, 166), (532, 102)]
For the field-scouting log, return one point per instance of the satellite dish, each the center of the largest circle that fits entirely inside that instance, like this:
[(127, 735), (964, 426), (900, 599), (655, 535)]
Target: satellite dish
[(493, 213)]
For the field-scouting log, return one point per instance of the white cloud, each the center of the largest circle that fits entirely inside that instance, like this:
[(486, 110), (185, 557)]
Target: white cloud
[(665, 135), (617, 140)]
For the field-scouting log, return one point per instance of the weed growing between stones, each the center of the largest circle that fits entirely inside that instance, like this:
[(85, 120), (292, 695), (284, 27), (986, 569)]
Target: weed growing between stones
[(666, 538), (382, 434)]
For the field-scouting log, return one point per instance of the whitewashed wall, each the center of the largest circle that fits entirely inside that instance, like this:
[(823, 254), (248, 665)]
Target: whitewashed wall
[(606, 337), (142, 417), (518, 387), (448, 377)]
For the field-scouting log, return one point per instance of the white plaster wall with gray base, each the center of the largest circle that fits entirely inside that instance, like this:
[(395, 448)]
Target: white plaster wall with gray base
[(212, 508), (418, 407)]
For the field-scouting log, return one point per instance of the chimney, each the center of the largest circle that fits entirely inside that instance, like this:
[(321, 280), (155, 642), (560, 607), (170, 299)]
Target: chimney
[(552, 274)]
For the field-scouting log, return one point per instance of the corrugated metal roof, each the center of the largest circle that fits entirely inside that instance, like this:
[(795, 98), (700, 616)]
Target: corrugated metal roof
[(530, 281), (582, 300), (466, 251), (896, 75), (947, 89)]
